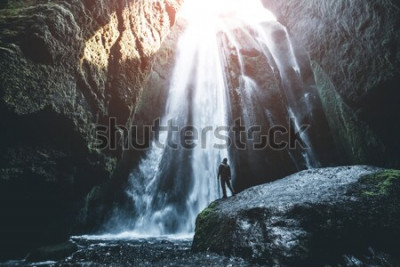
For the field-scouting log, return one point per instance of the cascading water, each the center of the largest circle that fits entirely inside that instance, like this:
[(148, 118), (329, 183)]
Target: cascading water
[(173, 184), (298, 102)]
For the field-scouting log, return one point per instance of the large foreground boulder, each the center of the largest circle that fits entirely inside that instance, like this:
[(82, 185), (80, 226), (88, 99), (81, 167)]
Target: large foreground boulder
[(345, 216)]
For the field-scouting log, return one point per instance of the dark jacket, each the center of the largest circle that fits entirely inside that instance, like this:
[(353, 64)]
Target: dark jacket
[(224, 171)]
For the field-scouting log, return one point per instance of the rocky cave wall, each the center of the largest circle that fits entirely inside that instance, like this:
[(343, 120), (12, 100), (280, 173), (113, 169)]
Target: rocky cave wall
[(354, 49), (65, 67)]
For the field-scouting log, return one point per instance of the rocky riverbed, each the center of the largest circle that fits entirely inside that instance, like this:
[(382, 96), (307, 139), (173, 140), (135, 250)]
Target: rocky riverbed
[(343, 216), (112, 251)]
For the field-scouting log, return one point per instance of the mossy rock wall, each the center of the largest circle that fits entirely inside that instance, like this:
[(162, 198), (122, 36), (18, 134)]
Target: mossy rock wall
[(356, 44), (66, 67)]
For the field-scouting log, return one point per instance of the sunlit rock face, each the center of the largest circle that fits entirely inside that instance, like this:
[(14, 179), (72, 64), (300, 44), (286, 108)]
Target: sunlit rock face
[(64, 67), (354, 46)]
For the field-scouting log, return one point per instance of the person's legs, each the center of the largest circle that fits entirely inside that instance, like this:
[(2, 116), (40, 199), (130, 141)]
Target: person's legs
[(228, 183), (223, 187)]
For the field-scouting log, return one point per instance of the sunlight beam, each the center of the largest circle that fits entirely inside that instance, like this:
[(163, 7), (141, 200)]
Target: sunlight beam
[(230, 11)]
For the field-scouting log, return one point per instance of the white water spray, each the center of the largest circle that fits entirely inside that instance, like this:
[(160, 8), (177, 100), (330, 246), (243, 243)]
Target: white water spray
[(171, 186), (197, 97)]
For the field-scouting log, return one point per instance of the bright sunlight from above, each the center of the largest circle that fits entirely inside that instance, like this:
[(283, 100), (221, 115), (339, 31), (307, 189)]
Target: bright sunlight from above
[(228, 12)]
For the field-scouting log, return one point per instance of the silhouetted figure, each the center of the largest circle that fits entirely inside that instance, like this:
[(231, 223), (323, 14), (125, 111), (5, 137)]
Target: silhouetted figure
[(224, 171)]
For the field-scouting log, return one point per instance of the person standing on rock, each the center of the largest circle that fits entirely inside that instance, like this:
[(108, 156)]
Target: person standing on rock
[(224, 172)]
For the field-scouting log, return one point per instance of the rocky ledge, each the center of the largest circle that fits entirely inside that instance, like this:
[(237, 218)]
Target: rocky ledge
[(344, 216)]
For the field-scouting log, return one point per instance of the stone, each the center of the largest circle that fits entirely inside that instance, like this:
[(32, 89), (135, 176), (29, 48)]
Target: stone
[(66, 67), (312, 218)]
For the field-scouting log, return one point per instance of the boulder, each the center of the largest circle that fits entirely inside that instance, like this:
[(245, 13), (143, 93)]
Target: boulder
[(338, 216)]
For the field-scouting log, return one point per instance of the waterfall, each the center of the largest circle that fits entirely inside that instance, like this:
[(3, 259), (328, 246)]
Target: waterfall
[(298, 102), (171, 185)]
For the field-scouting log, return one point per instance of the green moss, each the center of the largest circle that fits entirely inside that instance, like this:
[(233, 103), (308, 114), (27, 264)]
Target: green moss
[(206, 217), (13, 7), (213, 230), (379, 183), (10, 12), (212, 205), (356, 142)]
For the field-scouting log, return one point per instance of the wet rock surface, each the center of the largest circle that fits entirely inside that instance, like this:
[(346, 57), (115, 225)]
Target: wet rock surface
[(139, 252), (355, 49), (313, 218), (265, 91)]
